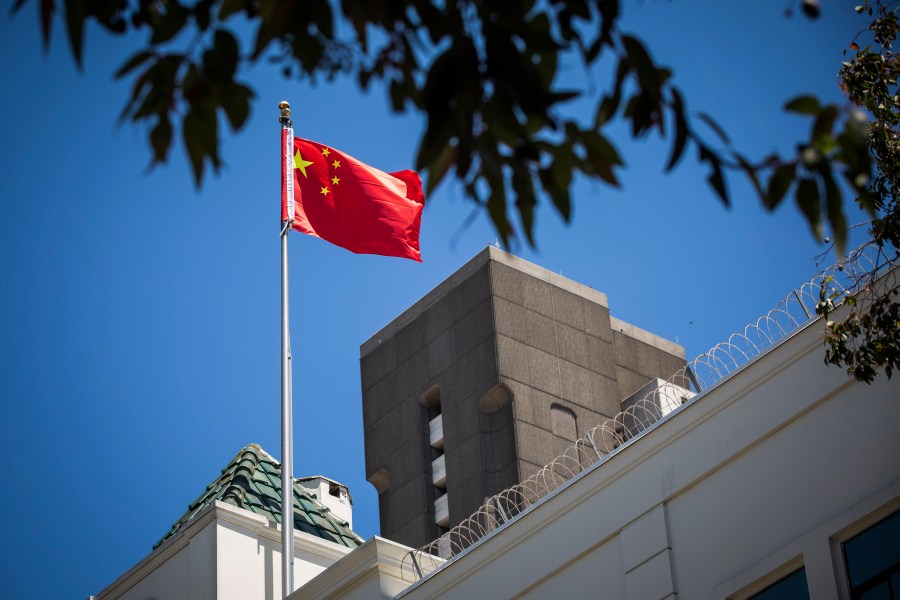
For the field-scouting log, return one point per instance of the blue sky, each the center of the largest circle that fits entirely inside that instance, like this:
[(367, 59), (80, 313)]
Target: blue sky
[(139, 317)]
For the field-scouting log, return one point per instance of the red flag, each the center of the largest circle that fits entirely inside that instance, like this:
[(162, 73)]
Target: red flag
[(337, 198)]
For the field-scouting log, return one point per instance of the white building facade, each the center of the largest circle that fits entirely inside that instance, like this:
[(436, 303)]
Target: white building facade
[(768, 475)]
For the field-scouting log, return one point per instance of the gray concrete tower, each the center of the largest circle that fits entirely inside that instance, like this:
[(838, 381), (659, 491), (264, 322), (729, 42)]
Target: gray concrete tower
[(486, 379)]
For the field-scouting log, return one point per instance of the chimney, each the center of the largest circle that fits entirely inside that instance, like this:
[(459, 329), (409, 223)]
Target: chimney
[(333, 495)]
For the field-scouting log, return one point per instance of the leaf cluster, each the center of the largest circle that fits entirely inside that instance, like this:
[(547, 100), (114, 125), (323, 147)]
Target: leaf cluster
[(486, 77), (484, 74), (867, 338)]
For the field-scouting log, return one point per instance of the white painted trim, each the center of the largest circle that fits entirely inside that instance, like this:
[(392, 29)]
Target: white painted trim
[(377, 557), (160, 555), (219, 513)]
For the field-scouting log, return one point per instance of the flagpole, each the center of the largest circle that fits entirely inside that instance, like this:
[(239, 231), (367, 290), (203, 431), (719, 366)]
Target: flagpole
[(287, 442)]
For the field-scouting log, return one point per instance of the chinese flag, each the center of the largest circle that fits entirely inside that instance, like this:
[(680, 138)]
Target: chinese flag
[(333, 196)]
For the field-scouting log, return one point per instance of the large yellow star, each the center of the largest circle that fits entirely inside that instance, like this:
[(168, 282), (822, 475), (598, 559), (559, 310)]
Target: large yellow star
[(301, 164)]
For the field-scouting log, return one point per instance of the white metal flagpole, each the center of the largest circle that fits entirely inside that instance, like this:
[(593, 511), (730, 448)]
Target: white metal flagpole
[(287, 441)]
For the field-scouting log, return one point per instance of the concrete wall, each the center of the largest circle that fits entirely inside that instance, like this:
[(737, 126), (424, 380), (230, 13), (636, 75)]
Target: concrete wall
[(769, 471), (448, 346), (502, 342)]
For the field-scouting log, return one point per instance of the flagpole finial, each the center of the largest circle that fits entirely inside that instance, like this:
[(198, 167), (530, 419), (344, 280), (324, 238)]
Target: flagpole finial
[(285, 107)]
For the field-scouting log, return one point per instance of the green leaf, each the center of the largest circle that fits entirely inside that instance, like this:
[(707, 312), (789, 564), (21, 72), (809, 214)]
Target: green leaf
[(597, 143), (824, 122), (397, 94), (681, 130), (17, 5), (805, 105), (496, 204), (75, 15), (835, 210), (202, 15), (192, 131), (132, 63), (716, 178), (610, 103), (236, 104), (640, 109), (170, 23), (717, 181), (439, 167), (161, 139), (647, 74), (229, 7), (751, 172), (47, 10), (715, 127), (602, 157), (591, 53), (201, 138), (811, 8), (779, 183), (807, 197), (678, 142), (556, 179), (525, 199), (220, 61)]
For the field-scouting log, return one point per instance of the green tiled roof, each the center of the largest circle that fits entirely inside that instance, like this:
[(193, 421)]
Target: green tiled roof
[(252, 481)]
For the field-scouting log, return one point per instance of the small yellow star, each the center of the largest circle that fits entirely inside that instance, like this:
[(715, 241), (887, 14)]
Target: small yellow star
[(336, 164), (301, 164), (325, 151), (335, 180), (325, 191)]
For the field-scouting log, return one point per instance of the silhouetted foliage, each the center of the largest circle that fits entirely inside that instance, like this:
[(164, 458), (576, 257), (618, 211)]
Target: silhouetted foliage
[(485, 76)]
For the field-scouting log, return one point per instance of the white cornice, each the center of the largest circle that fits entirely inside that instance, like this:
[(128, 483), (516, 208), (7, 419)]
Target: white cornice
[(377, 557), (157, 557), (219, 513)]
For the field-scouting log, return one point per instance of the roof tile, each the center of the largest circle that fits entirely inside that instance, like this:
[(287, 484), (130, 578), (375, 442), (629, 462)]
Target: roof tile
[(252, 481)]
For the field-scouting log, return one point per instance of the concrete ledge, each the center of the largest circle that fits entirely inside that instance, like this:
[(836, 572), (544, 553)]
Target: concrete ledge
[(371, 571), (646, 337), (538, 272)]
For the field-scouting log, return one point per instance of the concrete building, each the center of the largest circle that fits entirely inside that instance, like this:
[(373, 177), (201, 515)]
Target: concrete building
[(486, 379), (782, 481)]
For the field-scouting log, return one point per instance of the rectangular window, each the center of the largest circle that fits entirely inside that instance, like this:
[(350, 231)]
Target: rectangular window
[(873, 561), (792, 587)]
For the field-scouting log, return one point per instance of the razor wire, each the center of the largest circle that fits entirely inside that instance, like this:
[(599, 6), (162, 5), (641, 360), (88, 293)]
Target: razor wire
[(857, 273)]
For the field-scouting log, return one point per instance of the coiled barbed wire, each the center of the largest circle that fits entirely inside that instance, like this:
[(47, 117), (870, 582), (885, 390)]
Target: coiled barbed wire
[(847, 277)]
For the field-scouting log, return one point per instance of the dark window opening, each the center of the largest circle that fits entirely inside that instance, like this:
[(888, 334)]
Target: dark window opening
[(792, 587), (873, 561)]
